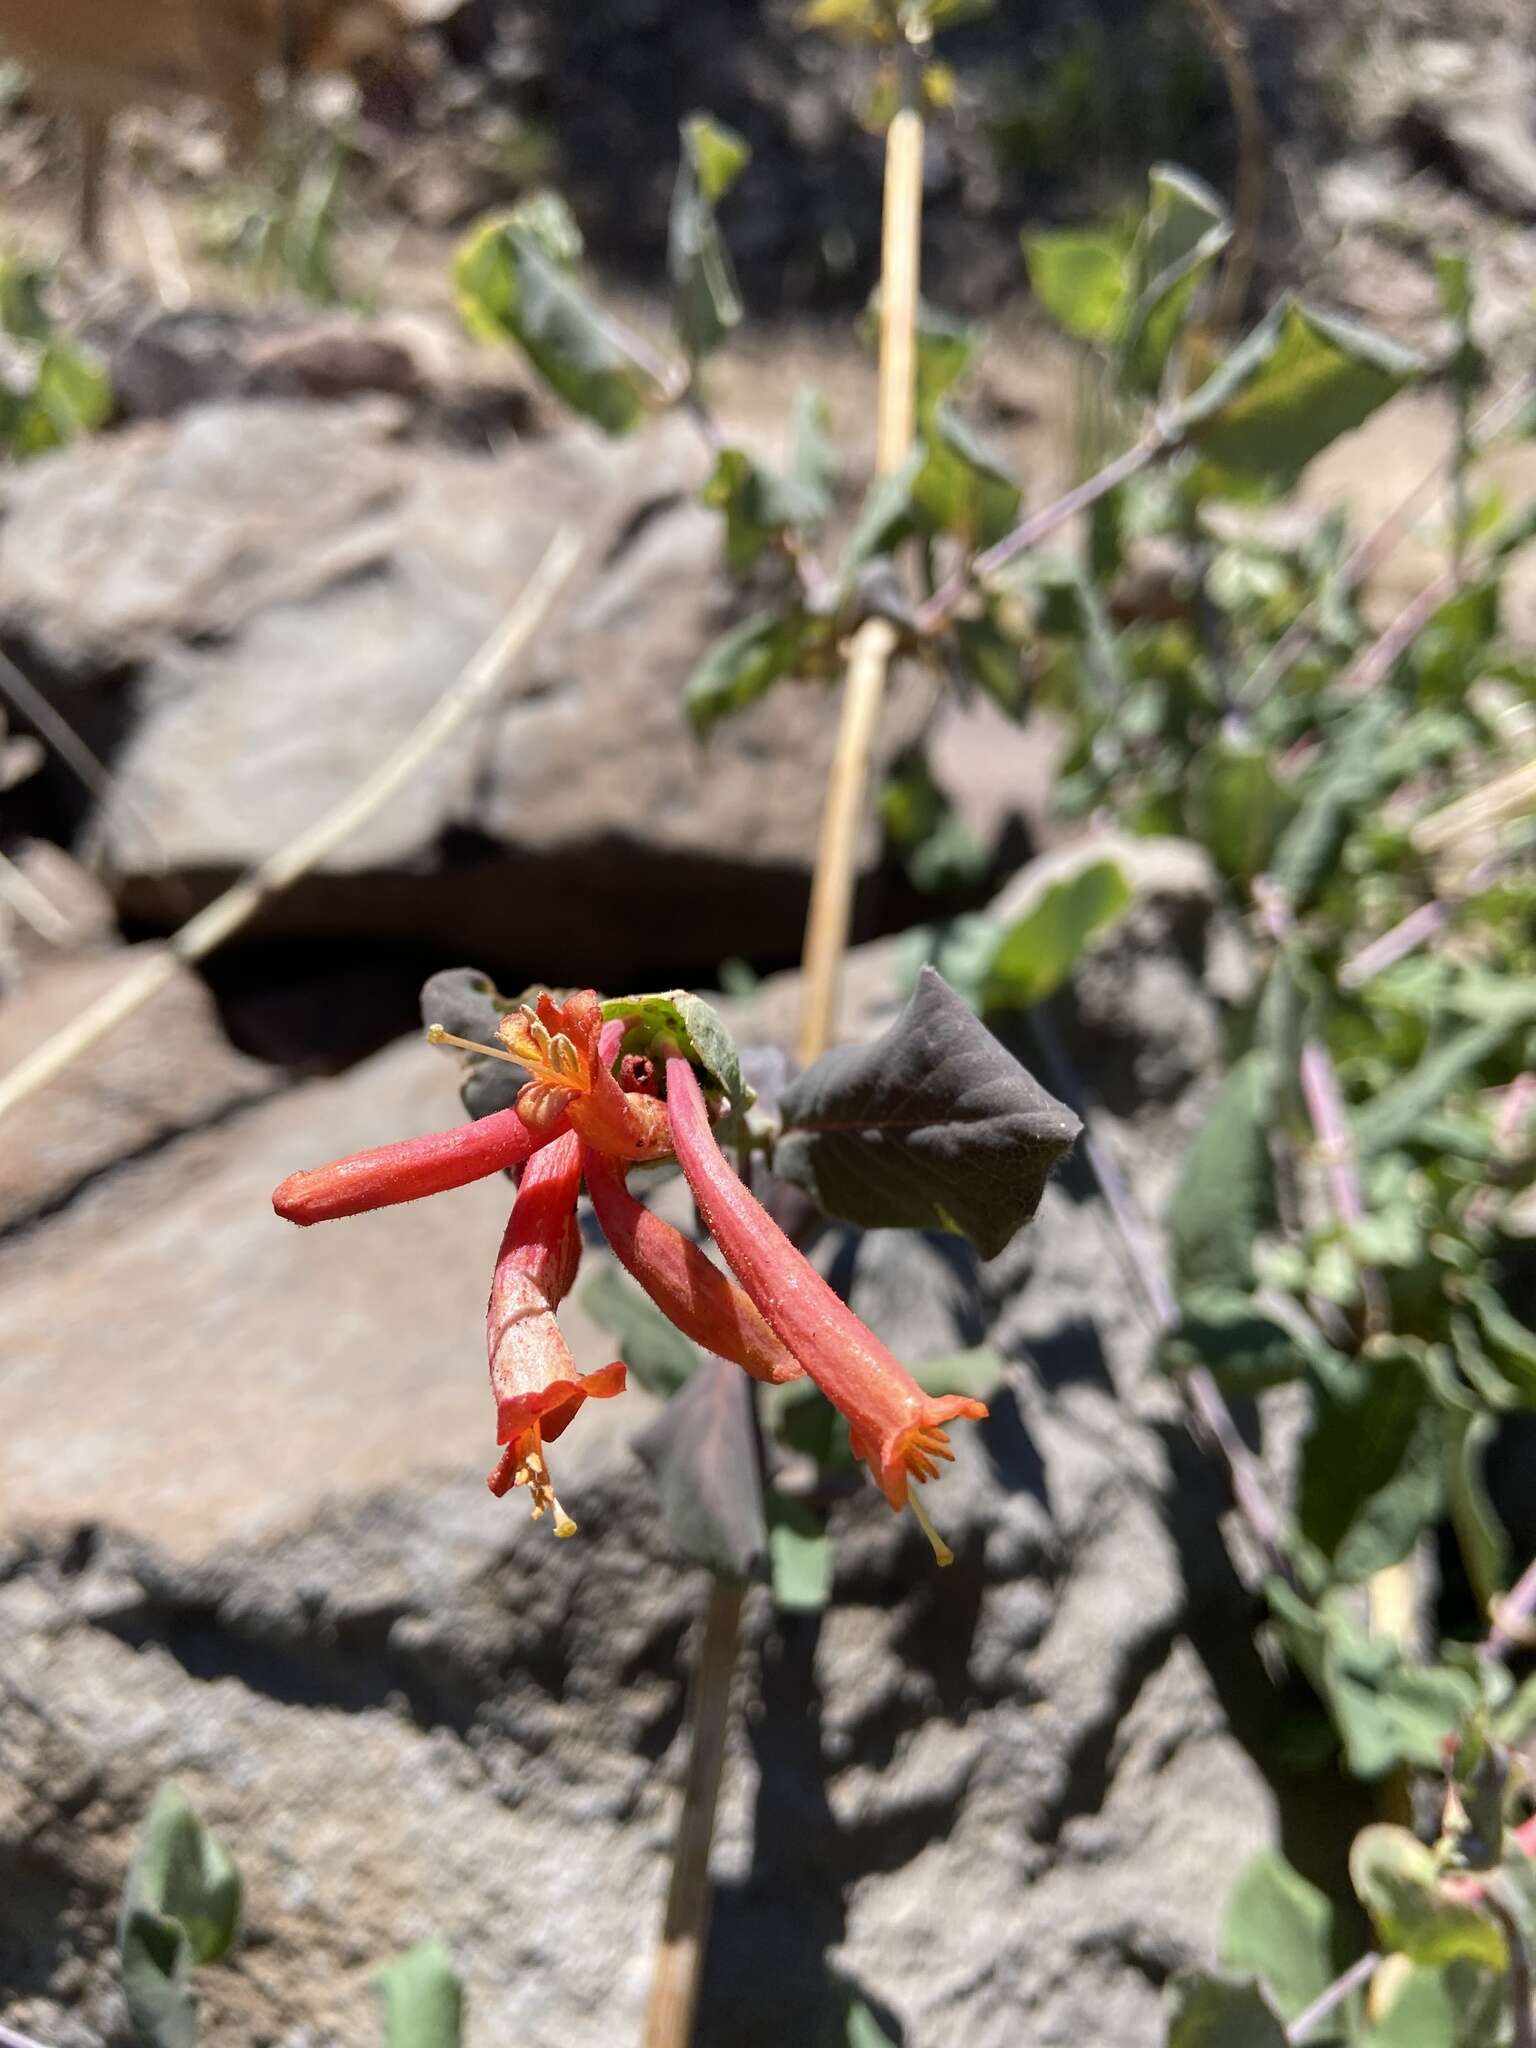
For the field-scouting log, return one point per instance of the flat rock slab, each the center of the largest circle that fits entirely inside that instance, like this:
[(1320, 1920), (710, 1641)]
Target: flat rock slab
[(245, 1542), (185, 1366), (270, 595)]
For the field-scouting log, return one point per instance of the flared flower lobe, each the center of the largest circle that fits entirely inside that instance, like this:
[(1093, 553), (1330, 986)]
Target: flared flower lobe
[(560, 1045)]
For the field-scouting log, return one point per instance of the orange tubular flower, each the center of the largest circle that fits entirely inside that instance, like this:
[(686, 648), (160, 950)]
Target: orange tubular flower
[(896, 1428), (686, 1286), (537, 1387), (563, 1046), (406, 1171)]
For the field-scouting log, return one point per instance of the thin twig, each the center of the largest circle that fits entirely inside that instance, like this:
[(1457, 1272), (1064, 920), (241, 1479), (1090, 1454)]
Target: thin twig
[(485, 672), (9, 2038), (1230, 43), (675, 1985), (1521, 2008), (934, 613), (1514, 1618), (1208, 1406), (1385, 652), (1405, 937), (31, 905), (1355, 1978), (831, 909), (55, 728)]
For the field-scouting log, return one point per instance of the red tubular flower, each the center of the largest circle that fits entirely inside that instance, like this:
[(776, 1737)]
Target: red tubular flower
[(537, 1387), (686, 1286), (562, 1046), (406, 1171), (896, 1428)]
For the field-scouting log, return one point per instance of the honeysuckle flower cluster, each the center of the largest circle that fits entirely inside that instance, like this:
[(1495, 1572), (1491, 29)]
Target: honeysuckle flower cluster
[(587, 1115)]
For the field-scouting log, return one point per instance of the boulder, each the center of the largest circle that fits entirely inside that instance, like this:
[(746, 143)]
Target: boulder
[(245, 1543), (272, 594)]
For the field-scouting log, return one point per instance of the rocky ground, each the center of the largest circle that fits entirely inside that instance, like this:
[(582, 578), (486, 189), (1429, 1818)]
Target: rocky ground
[(244, 1538)]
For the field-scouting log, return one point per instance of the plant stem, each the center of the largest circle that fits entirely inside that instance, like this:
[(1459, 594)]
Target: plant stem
[(934, 613), (485, 673), (1213, 1419), (826, 932), (675, 1986), (1311, 2017), (679, 1961), (1520, 1996), (1231, 46), (1513, 1617)]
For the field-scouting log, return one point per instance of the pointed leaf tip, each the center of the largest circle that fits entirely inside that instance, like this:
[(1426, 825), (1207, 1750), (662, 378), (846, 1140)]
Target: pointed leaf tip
[(933, 1126)]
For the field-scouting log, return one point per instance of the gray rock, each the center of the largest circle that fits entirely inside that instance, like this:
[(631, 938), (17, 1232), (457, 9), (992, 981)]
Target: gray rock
[(290, 589), (245, 1543)]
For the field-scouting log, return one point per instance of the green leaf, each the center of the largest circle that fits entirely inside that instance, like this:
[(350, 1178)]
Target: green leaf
[(1420, 2009), (1351, 775), (717, 153), (747, 661), (1221, 2012), (933, 1126), (1513, 1345), (156, 1962), (945, 347), (181, 1907), (1298, 382), (512, 288), (964, 488), (885, 517), (1387, 1712), (1479, 1532), (1038, 951), (1279, 1929), (181, 1869), (1398, 1881), (1234, 1338), (1372, 1470), (1239, 806), (799, 1556), (659, 1356), (1225, 1197), (678, 1021), (701, 1451), (813, 462), (706, 302), (1393, 1117), (1082, 280), (760, 506), (1184, 231), (423, 1999)]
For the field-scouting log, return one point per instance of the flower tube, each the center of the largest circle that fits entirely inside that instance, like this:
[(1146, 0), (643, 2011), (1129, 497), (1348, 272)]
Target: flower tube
[(896, 1428), (685, 1285), (533, 1377)]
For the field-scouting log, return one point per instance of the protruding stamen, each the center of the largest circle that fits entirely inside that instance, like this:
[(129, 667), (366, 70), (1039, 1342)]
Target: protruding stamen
[(941, 1550), (436, 1035), (533, 1473)]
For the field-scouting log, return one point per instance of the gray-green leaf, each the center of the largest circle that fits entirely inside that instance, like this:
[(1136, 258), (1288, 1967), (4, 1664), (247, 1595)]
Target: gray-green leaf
[(933, 1126), (423, 1999)]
